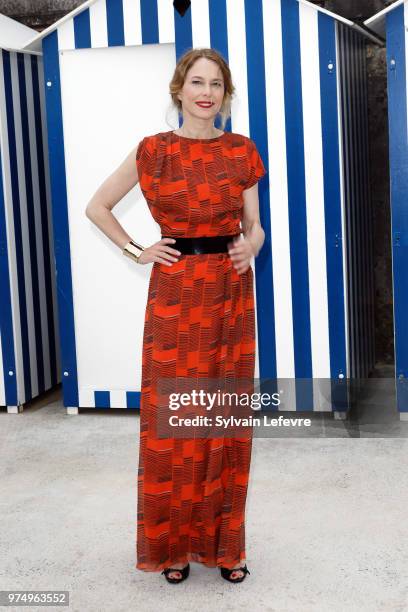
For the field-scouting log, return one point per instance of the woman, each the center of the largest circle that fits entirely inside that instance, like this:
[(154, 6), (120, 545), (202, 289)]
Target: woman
[(200, 183)]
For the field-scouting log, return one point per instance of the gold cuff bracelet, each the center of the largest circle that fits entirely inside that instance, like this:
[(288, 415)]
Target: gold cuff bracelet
[(133, 250)]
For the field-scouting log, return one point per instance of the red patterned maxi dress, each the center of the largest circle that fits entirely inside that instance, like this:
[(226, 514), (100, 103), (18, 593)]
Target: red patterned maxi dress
[(199, 321)]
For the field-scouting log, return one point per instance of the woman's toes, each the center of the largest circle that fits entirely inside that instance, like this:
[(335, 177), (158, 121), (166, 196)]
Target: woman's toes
[(236, 574), (175, 574)]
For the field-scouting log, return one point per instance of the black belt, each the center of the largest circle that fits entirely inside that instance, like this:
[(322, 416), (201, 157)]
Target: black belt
[(201, 244)]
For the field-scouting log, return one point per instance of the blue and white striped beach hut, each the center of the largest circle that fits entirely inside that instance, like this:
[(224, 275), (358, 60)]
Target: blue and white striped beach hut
[(392, 24), (299, 73), (29, 343)]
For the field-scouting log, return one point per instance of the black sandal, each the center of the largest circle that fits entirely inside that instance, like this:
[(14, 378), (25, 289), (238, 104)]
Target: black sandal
[(184, 574), (226, 573)]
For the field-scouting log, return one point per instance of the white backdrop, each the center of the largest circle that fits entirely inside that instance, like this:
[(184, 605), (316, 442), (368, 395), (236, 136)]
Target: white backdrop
[(111, 98)]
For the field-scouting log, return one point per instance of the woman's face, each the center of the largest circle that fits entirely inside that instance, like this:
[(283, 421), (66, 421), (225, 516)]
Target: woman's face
[(203, 83)]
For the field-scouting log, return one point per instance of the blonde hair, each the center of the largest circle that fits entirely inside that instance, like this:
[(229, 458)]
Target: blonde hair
[(183, 66)]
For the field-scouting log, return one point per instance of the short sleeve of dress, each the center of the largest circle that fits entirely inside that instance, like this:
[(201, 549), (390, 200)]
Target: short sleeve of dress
[(144, 155), (255, 165)]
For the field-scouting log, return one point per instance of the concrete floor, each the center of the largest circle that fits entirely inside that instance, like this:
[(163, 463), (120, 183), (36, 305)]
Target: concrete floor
[(326, 521)]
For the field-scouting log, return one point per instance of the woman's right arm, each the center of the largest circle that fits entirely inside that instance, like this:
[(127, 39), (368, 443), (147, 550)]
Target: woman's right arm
[(111, 191)]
